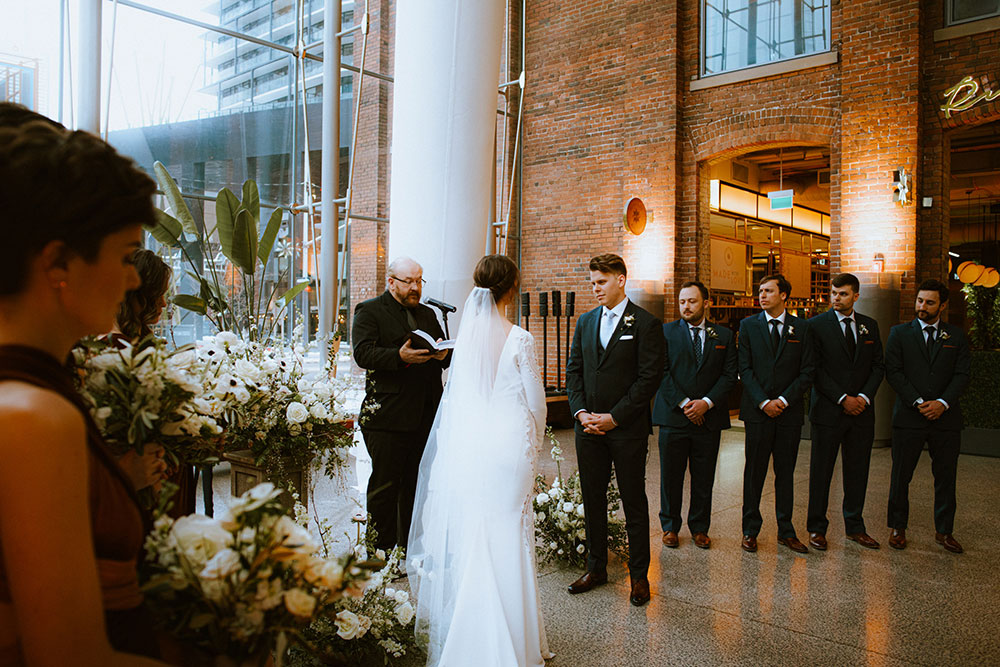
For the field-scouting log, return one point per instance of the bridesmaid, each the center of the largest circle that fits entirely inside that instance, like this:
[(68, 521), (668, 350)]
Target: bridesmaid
[(69, 518)]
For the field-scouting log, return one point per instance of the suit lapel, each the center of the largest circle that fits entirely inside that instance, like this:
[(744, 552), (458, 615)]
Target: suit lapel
[(764, 334), (918, 332), (790, 322), (838, 330), (936, 347)]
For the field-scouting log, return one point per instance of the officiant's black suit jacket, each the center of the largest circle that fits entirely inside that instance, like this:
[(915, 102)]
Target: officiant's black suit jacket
[(685, 378), (838, 373), (623, 379), (916, 373), (407, 395), (767, 375)]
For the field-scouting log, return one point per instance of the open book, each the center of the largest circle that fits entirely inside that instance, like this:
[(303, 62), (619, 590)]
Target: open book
[(421, 340)]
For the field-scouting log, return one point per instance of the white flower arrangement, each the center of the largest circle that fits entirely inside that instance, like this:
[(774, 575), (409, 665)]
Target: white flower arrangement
[(246, 583), (143, 393), (560, 528)]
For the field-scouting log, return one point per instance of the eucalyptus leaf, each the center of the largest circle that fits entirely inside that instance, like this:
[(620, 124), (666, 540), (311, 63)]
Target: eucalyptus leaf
[(174, 198), (190, 302), (269, 235), (245, 242)]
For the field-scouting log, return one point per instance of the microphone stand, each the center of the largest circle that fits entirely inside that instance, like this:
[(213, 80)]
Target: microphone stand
[(526, 308), (543, 311), (556, 314)]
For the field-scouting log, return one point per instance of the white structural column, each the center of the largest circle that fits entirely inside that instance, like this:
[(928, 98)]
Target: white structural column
[(88, 64), (330, 177), (444, 111)]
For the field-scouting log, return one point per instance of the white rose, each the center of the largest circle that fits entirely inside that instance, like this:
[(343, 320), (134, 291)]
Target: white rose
[(199, 538), (579, 510), (296, 413), (248, 502), (294, 536), (568, 507), (241, 394), (300, 603), (542, 498), (304, 385), (227, 338), (106, 361), (580, 548), (400, 597), (329, 574), (221, 565), (348, 625), (319, 411), (404, 613)]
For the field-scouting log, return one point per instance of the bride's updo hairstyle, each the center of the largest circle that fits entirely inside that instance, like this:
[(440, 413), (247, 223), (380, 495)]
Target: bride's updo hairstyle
[(64, 186), (498, 274)]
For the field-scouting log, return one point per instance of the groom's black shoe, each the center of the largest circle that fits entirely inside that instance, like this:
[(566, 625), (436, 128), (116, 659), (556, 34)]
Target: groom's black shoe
[(588, 581), (640, 592)]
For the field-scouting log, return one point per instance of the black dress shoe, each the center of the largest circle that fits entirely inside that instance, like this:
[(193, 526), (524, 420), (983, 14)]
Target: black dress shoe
[(588, 581), (640, 592)]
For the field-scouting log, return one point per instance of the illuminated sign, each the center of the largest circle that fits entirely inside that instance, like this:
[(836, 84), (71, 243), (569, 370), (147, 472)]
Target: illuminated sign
[(966, 94), (781, 199)]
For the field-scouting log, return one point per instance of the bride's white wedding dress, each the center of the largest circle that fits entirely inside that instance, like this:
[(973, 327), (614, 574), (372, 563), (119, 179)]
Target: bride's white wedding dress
[(471, 556)]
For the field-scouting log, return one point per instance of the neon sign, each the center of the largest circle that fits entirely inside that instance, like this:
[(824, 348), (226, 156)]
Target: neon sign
[(966, 94)]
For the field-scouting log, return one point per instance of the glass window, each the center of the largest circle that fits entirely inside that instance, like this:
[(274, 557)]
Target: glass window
[(744, 33), (720, 225), (960, 11)]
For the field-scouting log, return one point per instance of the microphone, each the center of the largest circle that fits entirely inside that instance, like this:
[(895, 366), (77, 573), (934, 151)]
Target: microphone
[(440, 305)]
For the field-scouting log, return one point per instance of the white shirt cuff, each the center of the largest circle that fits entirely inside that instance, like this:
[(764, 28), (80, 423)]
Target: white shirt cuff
[(709, 401), (867, 400), (763, 403), (783, 400), (577, 414), (684, 402), (918, 401), (841, 399), (944, 403)]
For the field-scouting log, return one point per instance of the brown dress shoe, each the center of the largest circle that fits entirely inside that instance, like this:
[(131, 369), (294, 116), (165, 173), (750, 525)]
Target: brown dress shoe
[(794, 544), (640, 592), (588, 581), (817, 541), (670, 539), (948, 542), (897, 538), (864, 539), (749, 543), (702, 540)]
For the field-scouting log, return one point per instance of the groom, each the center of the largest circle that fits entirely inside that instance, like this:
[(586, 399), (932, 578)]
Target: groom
[(612, 374)]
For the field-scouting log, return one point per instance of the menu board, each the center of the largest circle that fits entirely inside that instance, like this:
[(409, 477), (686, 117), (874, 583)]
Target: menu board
[(729, 266)]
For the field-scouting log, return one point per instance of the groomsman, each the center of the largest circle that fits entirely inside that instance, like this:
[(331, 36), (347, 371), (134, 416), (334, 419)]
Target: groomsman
[(692, 409), (847, 349), (614, 368), (775, 360), (927, 363)]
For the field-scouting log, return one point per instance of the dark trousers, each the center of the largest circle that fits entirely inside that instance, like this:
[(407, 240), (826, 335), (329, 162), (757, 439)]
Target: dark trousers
[(907, 443), (697, 448), (393, 484), (596, 454), (764, 441), (854, 439)]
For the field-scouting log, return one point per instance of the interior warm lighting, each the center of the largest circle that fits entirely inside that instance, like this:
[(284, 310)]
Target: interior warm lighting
[(878, 264)]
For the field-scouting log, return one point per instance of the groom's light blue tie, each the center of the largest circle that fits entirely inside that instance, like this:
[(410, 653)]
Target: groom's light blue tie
[(607, 327)]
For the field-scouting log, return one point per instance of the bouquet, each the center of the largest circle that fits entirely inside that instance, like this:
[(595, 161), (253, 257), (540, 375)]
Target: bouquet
[(272, 407), (560, 529), (247, 583), (143, 393)]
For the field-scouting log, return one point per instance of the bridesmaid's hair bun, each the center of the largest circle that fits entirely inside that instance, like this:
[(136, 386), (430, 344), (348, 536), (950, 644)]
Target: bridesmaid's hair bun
[(498, 274)]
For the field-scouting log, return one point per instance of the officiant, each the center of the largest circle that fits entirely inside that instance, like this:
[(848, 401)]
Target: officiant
[(402, 391)]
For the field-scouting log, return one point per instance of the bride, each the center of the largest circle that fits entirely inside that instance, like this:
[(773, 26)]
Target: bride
[(471, 556)]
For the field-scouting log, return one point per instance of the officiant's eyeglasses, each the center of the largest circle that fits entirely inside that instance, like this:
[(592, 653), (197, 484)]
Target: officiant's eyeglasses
[(409, 283)]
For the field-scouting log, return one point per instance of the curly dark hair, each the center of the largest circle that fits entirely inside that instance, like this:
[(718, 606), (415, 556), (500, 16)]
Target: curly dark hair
[(141, 308), (64, 186)]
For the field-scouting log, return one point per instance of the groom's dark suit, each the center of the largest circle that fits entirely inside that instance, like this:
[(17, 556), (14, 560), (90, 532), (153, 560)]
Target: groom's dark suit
[(620, 380), (918, 374), (682, 442), (398, 409), (767, 375), (838, 374)]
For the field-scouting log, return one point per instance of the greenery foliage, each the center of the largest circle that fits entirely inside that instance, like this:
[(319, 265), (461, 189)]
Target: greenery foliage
[(982, 305), (981, 401)]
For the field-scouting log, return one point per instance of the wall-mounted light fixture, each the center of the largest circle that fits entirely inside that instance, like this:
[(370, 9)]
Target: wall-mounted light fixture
[(878, 263), (902, 183)]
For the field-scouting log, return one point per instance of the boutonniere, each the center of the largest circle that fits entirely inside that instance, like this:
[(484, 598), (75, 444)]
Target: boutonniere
[(628, 321), (791, 331), (945, 335), (863, 330), (711, 333)]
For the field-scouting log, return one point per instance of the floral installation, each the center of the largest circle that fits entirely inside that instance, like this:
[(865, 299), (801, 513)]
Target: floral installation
[(247, 584), (143, 393), (863, 330), (283, 416), (376, 628), (560, 529), (711, 333)]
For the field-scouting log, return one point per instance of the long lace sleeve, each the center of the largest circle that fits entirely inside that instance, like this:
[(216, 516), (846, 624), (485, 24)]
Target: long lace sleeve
[(531, 378)]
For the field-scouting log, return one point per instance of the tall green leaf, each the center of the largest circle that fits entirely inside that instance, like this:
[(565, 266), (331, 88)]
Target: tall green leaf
[(251, 199), (212, 295), (245, 242), (192, 303), (174, 198), (292, 293), (226, 208), (270, 233), (167, 230)]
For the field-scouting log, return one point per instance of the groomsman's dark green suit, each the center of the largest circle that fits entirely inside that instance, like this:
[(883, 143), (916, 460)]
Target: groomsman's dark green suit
[(921, 374)]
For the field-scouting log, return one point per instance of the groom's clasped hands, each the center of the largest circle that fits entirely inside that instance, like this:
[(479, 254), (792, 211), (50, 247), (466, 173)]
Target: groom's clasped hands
[(597, 423)]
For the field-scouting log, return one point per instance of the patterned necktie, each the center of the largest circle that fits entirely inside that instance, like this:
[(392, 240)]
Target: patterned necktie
[(930, 339), (852, 343), (696, 343), (775, 335)]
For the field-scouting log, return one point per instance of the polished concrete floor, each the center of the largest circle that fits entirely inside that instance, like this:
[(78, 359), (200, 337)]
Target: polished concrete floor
[(844, 606)]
